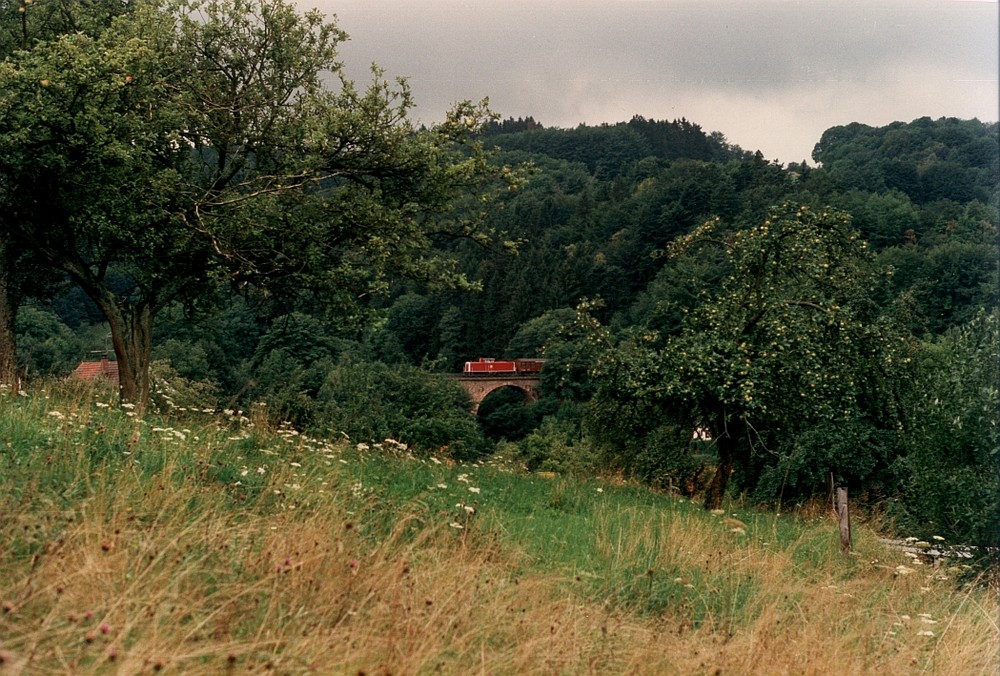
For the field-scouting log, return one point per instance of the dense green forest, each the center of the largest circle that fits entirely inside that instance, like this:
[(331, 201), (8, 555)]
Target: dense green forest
[(323, 256)]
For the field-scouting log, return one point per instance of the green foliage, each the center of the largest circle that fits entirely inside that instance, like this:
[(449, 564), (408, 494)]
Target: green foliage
[(558, 444), (173, 391), (609, 150), (47, 346), (953, 466), (190, 142), (859, 452), (537, 336), (926, 159), (189, 360), (505, 414), (795, 338), (372, 401)]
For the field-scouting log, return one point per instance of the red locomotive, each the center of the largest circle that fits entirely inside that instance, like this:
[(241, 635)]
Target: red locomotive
[(489, 365)]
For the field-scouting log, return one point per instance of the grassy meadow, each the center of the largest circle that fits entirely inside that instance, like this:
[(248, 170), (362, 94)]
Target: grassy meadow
[(209, 543)]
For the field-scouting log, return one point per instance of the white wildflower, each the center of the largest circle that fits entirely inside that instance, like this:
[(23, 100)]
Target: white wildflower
[(456, 525), (473, 489)]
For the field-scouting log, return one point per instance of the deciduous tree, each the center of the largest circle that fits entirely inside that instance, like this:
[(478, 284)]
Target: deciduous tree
[(796, 337), (197, 142)]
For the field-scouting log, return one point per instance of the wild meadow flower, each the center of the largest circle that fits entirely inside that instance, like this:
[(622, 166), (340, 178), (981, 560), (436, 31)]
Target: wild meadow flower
[(474, 489), (456, 525)]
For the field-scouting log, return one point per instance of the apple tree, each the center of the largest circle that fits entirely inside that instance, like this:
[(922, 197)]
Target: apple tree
[(194, 143), (797, 365)]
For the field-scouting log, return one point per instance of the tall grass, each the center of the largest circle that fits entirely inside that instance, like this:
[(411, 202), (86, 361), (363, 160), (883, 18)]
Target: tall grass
[(211, 545)]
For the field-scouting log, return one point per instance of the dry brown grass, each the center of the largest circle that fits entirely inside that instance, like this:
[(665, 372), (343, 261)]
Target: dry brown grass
[(141, 584), (146, 575)]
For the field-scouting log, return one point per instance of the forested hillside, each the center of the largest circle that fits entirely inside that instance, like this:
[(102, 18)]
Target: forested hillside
[(828, 320)]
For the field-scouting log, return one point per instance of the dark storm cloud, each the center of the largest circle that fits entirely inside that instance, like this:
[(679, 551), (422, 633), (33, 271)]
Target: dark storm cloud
[(770, 74)]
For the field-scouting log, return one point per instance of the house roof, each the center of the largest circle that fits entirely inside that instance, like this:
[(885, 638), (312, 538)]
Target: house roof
[(97, 370)]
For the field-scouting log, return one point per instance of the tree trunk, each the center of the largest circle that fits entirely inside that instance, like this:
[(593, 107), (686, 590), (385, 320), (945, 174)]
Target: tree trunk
[(717, 486), (131, 336), (133, 347), (9, 302)]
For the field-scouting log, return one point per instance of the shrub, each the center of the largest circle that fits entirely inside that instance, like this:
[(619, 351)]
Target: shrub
[(953, 467), (557, 445), (370, 401)]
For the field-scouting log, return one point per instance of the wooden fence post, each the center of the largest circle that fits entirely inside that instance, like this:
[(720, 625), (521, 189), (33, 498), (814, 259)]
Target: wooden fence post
[(845, 520)]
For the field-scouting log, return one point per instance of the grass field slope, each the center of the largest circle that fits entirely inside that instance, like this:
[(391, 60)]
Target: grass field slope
[(210, 543)]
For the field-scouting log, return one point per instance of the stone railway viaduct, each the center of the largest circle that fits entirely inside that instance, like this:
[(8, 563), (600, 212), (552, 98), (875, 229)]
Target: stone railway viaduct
[(479, 386)]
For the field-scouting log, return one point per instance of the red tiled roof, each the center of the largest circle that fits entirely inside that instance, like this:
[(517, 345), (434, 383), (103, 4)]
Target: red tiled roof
[(94, 370)]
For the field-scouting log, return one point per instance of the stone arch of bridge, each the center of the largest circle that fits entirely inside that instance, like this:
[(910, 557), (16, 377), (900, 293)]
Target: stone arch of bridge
[(480, 387)]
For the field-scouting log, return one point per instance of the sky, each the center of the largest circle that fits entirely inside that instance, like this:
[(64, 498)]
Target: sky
[(772, 75)]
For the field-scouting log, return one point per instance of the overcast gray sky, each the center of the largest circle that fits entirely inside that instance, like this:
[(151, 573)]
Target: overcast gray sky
[(771, 75)]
